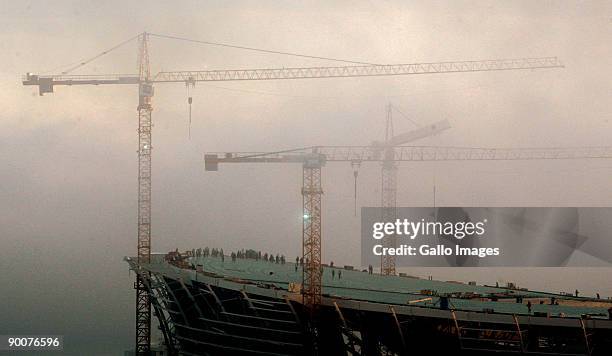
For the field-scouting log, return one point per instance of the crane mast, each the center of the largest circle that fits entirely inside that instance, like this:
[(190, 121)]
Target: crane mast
[(145, 93), (389, 176), (388, 192), (145, 80), (311, 225)]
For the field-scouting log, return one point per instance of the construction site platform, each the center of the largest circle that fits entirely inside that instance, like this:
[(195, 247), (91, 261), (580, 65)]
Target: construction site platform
[(406, 290)]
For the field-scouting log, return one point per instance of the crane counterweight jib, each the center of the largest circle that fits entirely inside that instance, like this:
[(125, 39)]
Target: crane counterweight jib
[(46, 83)]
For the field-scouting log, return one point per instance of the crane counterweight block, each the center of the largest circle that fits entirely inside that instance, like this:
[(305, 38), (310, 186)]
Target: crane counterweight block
[(45, 84), (211, 162)]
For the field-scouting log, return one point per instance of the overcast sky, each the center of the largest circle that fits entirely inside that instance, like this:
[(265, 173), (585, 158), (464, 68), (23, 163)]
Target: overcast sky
[(68, 160)]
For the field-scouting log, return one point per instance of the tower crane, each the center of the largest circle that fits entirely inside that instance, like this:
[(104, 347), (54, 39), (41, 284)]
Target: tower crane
[(388, 191), (145, 81), (314, 158)]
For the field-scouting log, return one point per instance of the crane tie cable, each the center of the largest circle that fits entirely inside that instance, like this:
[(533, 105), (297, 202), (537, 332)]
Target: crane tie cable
[(258, 49), (404, 115), (89, 60)]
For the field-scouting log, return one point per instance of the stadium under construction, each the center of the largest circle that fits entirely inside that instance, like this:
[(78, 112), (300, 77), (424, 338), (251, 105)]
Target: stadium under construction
[(249, 306)]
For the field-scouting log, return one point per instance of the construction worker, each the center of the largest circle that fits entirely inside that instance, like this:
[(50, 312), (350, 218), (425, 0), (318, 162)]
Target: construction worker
[(333, 273), (529, 307), (340, 274)]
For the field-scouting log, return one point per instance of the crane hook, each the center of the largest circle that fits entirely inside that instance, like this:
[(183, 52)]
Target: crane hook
[(189, 84)]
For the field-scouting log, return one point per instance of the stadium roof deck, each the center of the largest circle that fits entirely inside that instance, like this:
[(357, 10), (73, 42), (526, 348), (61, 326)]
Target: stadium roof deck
[(394, 289)]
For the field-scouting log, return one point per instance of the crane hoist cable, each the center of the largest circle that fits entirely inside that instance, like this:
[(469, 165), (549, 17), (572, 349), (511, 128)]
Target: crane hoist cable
[(355, 164), (190, 85), (435, 211)]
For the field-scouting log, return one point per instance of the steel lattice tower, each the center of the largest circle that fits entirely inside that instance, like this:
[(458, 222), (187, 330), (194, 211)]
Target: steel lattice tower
[(143, 302), (311, 235), (389, 206), (388, 192)]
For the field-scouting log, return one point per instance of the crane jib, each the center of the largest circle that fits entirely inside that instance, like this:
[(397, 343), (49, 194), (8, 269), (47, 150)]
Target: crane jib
[(47, 82)]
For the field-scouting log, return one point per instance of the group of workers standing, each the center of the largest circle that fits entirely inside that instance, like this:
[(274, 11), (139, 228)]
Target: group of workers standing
[(205, 252), (258, 256)]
